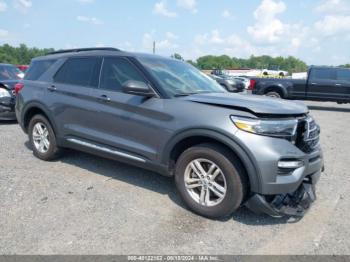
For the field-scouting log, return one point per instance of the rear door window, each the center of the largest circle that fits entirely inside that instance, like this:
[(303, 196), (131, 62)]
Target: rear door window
[(38, 68), (322, 74), (116, 71), (82, 71), (343, 75)]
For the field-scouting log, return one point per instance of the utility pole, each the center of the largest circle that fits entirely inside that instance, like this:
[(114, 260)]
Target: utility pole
[(154, 47)]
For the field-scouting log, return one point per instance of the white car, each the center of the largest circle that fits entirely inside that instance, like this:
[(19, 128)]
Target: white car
[(274, 72)]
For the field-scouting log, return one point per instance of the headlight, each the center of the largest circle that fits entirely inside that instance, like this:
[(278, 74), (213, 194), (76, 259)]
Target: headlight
[(4, 93), (279, 128)]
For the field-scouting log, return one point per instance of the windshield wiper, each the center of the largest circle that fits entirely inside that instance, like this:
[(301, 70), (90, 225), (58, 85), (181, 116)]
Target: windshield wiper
[(192, 93)]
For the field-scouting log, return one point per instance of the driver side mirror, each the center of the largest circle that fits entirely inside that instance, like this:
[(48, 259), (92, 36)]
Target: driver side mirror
[(138, 88)]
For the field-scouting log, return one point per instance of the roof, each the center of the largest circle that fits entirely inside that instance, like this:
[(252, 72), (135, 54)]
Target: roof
[(107, 51)]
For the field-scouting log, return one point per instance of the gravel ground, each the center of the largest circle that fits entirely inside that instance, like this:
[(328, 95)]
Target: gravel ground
[(83, 204)]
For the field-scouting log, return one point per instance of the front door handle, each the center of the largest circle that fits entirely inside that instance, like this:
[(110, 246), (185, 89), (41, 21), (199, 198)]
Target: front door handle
[(338, 84), (105, 98), (52, 88)]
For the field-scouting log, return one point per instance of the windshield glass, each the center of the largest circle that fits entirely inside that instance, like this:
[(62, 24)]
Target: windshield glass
[(8, 72), (179, 78)]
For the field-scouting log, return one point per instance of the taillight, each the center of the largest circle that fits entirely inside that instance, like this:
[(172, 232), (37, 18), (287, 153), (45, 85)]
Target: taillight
[(18, 87), (252, 84)]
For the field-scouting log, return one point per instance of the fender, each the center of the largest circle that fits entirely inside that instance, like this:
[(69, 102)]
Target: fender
[(232, 143)]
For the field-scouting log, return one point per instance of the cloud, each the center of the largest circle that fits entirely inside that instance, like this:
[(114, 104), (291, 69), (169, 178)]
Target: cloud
[(335, 21), (333, 25), (160, 8), (188, 4), (226, 14), (3, 6), (334, 7), (22, 5), (165, 43), (91, 20), (268, 29), (3, 33)]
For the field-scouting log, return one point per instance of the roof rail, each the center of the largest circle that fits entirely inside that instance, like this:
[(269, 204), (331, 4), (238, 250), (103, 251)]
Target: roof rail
[(84, 50)]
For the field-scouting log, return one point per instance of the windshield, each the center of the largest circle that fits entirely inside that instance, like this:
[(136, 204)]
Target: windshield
[(179, 78), (8, 72)]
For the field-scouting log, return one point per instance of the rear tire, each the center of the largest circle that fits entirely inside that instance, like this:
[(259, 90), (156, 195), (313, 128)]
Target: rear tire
[(230, 175), (42, 139), (273, 94)]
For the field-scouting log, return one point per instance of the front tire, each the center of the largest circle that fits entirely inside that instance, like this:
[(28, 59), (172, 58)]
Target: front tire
[(210, 180), (42, 139)]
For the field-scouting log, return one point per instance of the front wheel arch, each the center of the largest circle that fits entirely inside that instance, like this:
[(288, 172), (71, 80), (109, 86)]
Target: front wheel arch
[(189, 138)]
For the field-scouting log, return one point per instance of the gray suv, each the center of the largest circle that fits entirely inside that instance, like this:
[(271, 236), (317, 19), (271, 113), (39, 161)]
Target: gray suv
[(224, 150)]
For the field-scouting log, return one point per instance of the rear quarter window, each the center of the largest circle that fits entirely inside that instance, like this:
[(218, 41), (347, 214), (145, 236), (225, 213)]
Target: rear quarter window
[(37, 69)]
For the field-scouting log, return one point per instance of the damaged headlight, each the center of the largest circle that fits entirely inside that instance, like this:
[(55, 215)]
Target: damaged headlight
[(278, 128), (4, 93)]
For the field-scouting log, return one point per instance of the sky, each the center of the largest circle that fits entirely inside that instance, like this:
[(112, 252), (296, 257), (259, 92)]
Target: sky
[(316, 31)]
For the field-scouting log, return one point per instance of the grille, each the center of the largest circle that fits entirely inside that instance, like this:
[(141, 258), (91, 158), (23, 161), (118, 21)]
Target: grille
[(308, 135)]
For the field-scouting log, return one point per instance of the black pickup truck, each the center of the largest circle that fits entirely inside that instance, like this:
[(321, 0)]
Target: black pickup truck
[(322, 84)]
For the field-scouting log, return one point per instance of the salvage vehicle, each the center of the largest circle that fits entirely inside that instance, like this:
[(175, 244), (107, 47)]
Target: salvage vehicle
[(8, 79), (224, 150), (229, 83), (322, 84)]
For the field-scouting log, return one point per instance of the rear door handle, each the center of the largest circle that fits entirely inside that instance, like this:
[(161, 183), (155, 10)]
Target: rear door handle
[(52, 88), (105, 98)]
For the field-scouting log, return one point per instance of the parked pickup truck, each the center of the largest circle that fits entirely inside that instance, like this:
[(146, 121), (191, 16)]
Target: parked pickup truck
[(322, 84)]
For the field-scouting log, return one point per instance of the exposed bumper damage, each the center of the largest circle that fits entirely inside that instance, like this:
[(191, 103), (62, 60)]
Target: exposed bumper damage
[(294, 204)]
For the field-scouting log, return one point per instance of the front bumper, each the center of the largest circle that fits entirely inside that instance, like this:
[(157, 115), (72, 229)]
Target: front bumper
[(282, 191), (7, 112), (294, 204)]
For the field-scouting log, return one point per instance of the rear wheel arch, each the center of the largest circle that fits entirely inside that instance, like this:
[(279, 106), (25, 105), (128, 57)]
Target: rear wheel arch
[(276, 89), (32, 110), (192, 138)]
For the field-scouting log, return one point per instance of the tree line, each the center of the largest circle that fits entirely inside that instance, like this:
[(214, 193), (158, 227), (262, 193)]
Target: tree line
[(23, 54)]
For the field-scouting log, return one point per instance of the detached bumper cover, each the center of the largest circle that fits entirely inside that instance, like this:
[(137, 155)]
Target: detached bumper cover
[(294, 204)]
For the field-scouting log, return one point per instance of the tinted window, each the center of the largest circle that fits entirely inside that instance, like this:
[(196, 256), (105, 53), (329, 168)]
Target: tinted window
[(116, 71), (322, 74), (9, 72), (79, 71), (343, 74), (38, 68)]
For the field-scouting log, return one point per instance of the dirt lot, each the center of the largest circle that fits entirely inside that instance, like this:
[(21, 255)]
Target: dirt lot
[(82, 204)]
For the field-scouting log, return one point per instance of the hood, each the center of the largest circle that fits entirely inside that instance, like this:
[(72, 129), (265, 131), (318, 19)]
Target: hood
[(258, 105), (9, 83)]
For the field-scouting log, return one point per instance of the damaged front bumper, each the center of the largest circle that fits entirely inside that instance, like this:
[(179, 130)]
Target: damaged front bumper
[(294, 204)]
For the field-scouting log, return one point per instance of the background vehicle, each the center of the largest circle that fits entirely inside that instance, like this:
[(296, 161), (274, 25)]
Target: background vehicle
[(322, 84), (23, 68), (245, 80), (229, 83), (162, 114), (274, 71), (8, 79)]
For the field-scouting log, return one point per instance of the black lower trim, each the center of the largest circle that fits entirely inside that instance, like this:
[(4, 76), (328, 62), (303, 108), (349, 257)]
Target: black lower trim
[(295, 204)]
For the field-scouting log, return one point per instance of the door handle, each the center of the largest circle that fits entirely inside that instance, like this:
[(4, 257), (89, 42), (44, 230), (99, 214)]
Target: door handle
[(52, 88), (105, 98), (313, 84), (338, 84)]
